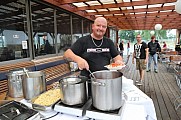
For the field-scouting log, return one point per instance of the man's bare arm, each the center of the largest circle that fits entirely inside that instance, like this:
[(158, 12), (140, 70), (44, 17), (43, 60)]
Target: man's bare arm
[(82, 63)]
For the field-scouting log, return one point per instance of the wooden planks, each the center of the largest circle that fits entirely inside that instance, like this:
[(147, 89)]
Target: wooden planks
[(25, 64), (3, 86), (161, 87)]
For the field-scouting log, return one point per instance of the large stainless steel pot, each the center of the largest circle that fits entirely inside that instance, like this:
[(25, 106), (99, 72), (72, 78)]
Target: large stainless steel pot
[(34, 85), (15, 78), (107, 90), (73, 90)]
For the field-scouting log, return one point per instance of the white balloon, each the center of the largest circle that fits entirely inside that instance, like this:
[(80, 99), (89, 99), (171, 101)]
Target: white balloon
[(152, 32), (178, 6), (158, 27)]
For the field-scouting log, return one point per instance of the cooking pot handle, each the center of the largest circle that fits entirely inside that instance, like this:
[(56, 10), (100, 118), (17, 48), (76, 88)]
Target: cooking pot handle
[(99, 83), (65, 85)]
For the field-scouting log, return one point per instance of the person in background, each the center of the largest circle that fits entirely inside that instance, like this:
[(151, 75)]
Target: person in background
[(47, 47), (121, 48), (128, 47), (141, 55), (94, 51), (164, 45), (154, 47)]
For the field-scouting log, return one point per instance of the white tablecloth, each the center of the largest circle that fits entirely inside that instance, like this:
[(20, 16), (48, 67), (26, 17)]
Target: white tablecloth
[(135, 96), (137, 106)]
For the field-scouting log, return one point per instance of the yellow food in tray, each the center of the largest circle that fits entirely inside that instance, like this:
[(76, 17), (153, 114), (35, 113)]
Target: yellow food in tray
[(48, 98)]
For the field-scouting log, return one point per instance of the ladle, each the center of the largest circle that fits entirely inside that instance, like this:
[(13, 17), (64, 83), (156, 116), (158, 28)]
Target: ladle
[(26, 72), (92, 74)]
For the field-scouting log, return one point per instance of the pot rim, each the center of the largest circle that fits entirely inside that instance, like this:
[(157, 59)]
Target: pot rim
[(72, 82), (106, 71)]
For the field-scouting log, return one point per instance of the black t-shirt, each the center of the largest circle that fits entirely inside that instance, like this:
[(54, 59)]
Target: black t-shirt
[(97, 57), (140, 50), (154, 47)]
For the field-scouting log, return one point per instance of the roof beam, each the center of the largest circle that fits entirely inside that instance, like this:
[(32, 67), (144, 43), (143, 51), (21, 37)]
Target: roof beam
[(125, 4), (143, 15), (4, 2), (70, 1), (134, 11), (70, 8)]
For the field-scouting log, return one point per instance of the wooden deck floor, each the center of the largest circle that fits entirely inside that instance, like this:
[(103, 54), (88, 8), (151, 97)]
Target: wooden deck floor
[(161, 87)]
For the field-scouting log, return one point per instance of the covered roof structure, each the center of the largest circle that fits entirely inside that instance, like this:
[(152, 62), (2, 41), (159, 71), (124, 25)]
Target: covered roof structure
[(126, 14)]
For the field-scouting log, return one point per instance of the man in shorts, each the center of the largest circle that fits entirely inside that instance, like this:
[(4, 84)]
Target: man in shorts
[(141, 55)]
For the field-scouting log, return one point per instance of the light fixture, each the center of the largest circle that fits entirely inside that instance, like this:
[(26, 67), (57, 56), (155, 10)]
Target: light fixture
[(158, 27), (178, 6), (152, 32)]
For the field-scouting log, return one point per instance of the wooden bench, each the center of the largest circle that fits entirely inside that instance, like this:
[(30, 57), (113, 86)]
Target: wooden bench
[(174, 62), (165, 56)]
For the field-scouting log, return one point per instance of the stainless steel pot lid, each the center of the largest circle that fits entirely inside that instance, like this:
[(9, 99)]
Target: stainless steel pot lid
[(17, 72), (71, 80)]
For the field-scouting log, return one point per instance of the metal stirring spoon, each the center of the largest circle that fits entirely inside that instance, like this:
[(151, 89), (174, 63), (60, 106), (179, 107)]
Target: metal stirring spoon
[(26, 72), (92, 74)]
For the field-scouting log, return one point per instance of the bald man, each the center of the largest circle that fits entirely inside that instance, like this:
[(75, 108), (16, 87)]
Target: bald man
[(94, 51)]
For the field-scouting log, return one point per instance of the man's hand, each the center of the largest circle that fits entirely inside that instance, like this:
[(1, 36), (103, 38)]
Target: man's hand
[(82, 64)]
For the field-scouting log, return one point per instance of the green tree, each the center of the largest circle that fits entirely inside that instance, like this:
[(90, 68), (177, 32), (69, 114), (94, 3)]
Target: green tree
[(127, 34), (146, 36)]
